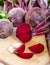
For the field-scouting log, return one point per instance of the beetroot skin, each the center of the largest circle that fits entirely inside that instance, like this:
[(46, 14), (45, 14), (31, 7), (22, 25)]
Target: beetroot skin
[(16, 16), (34, 16), (6, 28), (23, 32)]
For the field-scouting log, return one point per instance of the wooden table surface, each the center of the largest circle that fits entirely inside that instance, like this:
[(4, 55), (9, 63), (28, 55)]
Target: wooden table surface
[(12, 59)]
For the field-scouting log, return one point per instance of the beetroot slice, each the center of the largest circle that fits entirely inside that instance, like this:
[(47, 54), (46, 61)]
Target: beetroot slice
[(23, 32), (20, 49), (25, 37), (23, 28), (25, 55), (38, 48)]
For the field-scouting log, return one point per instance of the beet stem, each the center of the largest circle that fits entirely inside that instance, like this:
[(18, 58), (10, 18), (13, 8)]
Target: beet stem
[(42, 23), (41, 28), (40, 33)]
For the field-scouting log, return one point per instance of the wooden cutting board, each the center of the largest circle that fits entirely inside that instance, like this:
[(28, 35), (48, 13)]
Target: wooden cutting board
[(12, 59)]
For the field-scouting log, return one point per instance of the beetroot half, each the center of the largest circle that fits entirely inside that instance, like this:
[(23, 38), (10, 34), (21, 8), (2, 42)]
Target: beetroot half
[(23, 32)]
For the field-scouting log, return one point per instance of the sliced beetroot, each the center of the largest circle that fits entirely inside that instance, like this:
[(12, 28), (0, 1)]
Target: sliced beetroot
[(23, 28), (20, 49), (25, 55), (38, 48), (23, 32), (25, 37)]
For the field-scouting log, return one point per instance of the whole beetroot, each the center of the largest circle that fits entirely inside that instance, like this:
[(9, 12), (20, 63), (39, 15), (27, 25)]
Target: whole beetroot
[(16, 15), (6, 28), (35, 16)]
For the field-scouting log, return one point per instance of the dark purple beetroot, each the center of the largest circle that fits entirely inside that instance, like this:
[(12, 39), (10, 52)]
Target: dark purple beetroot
[(16, 15), (6, 28), (35, 16)]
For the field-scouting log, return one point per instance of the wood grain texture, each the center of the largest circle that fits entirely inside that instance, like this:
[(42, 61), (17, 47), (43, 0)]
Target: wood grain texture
[(12, 59)]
